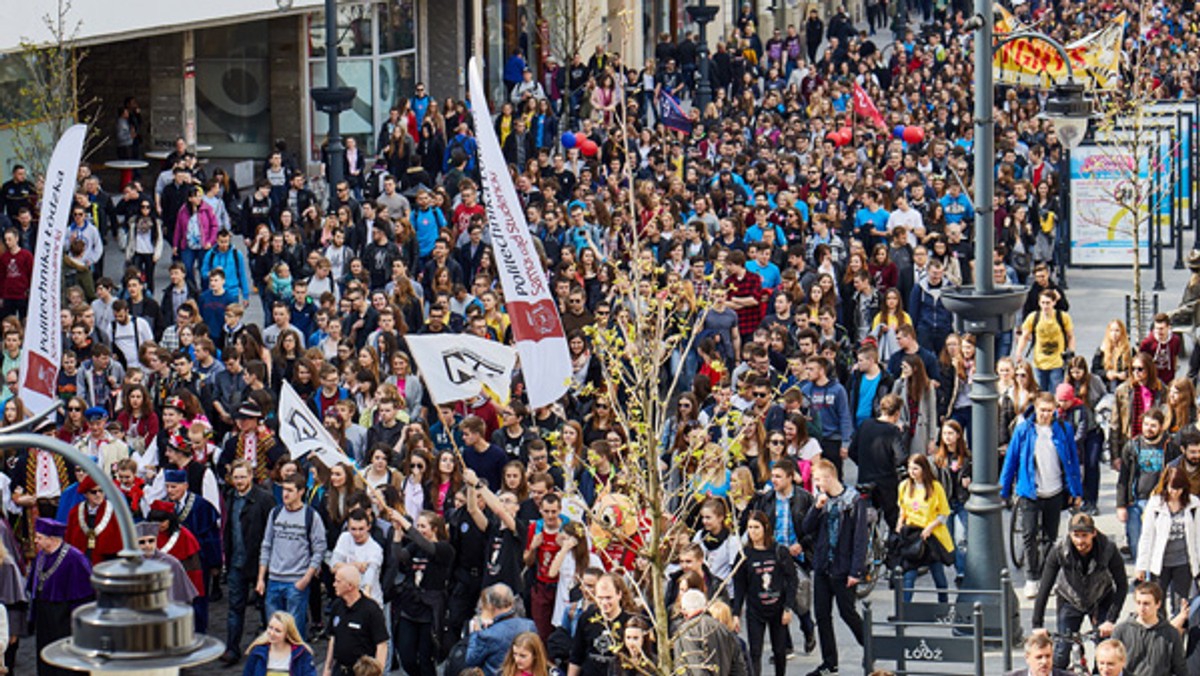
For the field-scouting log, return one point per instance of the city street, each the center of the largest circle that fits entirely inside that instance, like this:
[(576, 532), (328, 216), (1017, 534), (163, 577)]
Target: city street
[(1096, 296)]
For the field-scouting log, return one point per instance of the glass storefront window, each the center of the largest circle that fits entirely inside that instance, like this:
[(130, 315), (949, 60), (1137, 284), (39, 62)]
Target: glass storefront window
[(397, 26), (233, 97), (354, 34), (377, 49), (358, 121)]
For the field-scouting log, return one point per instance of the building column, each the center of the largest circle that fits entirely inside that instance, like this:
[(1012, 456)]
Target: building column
[(189, 88)]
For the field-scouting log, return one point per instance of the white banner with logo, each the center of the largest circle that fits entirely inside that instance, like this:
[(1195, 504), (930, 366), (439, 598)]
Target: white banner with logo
[(303, 433), (456, 366)]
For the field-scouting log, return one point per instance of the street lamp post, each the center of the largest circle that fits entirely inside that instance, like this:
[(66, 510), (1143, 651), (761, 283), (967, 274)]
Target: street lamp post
[(702, 14), (987, 309), (331, 99)]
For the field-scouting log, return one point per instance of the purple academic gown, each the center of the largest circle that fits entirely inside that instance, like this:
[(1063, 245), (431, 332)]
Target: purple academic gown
[(58, 583)]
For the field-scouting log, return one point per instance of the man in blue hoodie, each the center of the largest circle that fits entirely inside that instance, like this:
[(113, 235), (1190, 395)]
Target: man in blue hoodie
[(829, 407), (1043, 463), (229, 259), (957, 206)]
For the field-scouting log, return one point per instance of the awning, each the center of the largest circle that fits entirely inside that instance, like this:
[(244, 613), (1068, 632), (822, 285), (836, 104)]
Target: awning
[(102, 21)]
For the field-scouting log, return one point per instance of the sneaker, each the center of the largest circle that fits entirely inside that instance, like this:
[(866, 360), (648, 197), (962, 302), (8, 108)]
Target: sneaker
[(1031, 589), (230, 658), (823, 671)]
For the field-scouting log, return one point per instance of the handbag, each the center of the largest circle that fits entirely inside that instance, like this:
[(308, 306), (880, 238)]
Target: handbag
[(803, 590)]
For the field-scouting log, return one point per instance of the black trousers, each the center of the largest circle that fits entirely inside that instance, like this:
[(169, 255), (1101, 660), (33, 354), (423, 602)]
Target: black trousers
[(464, 595), (831, 450), (1040, 520), (755, 628), (827, 589)]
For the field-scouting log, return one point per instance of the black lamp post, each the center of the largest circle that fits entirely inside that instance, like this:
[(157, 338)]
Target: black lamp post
[(702, 14), (987, 309)]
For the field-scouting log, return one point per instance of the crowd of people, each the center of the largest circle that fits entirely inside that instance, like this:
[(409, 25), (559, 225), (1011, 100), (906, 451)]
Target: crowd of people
[(444, 536)]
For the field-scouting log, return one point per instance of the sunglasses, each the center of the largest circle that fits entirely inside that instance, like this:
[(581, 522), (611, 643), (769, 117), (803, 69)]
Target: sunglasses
[(75, 409), (418, 465), (1139, 369)]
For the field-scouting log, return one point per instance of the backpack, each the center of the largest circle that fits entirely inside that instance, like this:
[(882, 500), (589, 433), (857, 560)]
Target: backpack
[(308, 522)]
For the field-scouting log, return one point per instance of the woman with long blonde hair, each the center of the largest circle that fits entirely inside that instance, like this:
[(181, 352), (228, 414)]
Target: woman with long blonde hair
[(280, 649), (1114, 357)]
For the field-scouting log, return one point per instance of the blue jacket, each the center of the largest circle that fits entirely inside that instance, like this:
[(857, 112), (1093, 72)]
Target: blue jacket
[(926, 308), (233, 263), (1018, 462), (342, 393), (301, 664), (486, 648)]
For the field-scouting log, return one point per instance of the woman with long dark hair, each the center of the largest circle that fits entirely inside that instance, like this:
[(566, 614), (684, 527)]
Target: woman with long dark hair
[(144, 246), (765, 585), (951, 462), (918, 415)]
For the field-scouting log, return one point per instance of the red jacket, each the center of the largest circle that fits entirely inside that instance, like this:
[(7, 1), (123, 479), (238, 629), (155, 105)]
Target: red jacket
[(17, 271)]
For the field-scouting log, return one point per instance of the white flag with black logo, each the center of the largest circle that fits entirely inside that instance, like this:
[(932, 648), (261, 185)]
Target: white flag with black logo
[(303, 433), (456, 366)]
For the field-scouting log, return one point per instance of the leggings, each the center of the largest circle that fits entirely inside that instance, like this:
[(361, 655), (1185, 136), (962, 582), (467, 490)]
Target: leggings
[(1177, 580), (755, 628)]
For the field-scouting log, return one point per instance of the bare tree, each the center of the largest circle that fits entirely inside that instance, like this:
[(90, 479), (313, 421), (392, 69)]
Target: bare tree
[(52, 95), (579, 22)]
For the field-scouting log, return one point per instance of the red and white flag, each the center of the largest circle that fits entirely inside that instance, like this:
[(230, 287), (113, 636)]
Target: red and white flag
[(865, 108), (536, 326), (42, 350)]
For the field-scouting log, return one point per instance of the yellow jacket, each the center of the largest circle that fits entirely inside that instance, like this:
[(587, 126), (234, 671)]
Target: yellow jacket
[(919, 510)]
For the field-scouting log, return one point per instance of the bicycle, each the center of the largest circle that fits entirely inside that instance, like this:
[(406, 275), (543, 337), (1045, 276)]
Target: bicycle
[(877, 542), (1016, 536), (1078, 663)]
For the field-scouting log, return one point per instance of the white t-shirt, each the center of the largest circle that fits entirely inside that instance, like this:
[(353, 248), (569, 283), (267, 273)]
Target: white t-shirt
[(348, 551), (1046, 462)]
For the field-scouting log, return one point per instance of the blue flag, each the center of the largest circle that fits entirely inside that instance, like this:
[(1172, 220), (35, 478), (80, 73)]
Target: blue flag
[(671, 114)]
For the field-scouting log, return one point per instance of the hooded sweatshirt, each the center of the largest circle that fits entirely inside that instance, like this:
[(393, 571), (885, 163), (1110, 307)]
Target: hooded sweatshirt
[(1152, 651)]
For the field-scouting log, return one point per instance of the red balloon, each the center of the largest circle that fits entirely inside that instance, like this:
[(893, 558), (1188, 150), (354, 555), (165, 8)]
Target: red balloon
[(580, 137), (847, 132), (846, 136), (914, 134), (588, 147), (834, 138)]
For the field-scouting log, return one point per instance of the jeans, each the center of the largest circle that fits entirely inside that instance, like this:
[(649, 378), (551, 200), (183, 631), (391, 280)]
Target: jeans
[(1039, 523), (191, 260), (1070, 619), (1133, 525), (1093, 446), (958, 531), (285, 596), (1049, 379), (239, 595), (755, 628), (937, 570), (826, 589)]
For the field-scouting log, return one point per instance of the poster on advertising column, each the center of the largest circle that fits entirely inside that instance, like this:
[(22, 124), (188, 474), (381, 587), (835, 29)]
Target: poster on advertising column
[(1101, 226)]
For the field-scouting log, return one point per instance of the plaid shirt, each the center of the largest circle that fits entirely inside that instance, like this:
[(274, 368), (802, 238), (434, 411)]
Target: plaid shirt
[(749, 286)]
